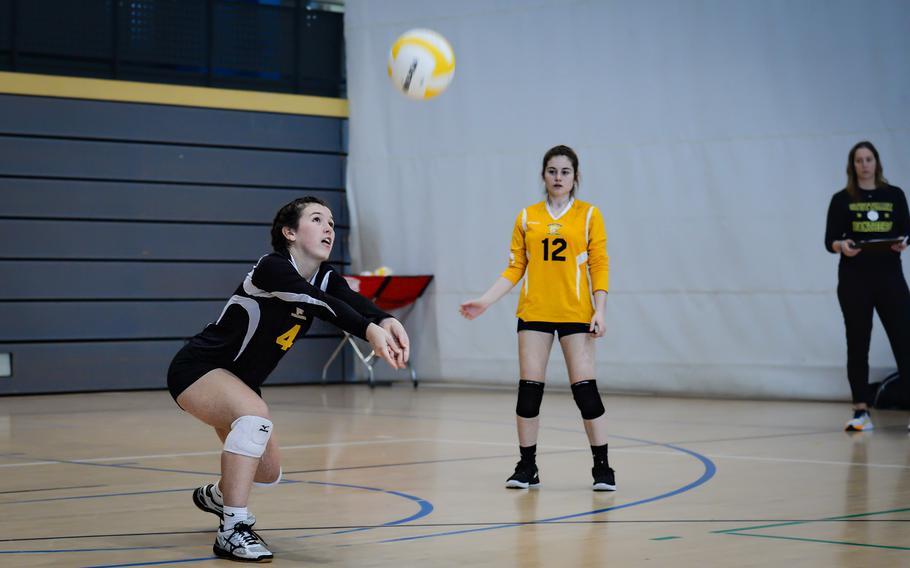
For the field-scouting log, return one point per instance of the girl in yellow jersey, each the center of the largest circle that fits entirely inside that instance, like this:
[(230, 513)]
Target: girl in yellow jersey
[(559, 246)]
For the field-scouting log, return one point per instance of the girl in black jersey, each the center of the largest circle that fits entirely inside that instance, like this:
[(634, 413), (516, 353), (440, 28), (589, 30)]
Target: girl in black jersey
[(870, 275), (216, 376)]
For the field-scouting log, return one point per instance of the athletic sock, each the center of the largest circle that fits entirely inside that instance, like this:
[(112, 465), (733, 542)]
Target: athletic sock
[(528, 453), (232, 516), (600, 455)]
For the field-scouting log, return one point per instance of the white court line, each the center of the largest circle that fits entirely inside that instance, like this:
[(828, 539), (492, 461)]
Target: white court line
[(759, 458), (675, 453), (468, 442), (213, 452)]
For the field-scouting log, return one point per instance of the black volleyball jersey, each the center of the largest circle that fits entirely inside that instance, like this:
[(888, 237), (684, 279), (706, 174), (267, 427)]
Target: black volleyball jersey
[(877, 214), (271, 309)]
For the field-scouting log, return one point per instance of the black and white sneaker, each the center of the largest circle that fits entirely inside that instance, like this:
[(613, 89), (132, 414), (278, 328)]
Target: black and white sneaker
[(525, 477), (241, 543), (207, 500), (604, 478)]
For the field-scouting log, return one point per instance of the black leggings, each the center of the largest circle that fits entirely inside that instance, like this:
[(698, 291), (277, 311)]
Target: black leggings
[(859, 292)]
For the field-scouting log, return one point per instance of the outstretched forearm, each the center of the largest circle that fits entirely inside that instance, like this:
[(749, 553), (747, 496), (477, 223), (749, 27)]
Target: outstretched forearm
[(499, 289)]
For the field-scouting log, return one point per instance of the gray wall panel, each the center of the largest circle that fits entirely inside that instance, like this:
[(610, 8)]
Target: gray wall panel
[(49, 321), (138, 201), (47, 368), (144, 162), (170, 124), (125, 228), (102, 280), (65, 280), (146, 241)]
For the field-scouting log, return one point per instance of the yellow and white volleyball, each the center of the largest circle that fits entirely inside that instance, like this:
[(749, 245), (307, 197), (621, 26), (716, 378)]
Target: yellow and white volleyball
[(421, 64)]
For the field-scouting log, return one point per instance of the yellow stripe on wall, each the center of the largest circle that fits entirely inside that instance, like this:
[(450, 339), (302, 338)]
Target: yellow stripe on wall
[(179, 95)]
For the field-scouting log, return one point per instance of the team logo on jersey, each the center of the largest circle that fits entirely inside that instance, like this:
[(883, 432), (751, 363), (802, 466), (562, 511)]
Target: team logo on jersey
[(553, 228), (298, 313)]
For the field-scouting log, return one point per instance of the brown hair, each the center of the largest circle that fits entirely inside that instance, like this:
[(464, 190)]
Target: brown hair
[(568, 153), (289, 216), (852, 183)]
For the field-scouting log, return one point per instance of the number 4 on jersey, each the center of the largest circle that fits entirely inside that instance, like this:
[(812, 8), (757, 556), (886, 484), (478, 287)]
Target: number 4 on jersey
[(286, 339)]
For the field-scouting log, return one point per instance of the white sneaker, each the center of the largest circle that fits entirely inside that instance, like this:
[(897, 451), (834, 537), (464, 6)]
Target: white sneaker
[(861, 422), (241, 543)]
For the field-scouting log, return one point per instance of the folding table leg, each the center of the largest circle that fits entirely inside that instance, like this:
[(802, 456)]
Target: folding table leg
[(368, 361), (325, 368), (413, 374)]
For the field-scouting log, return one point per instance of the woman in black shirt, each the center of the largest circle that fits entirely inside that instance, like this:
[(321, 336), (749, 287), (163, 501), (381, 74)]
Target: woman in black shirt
[(216, 376), (870, 275)]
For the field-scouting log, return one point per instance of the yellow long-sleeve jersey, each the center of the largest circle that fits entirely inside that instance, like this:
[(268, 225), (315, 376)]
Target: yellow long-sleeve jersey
[(563, 259)]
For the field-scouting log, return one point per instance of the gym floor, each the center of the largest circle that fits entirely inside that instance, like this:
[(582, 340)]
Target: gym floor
[(400, 477)]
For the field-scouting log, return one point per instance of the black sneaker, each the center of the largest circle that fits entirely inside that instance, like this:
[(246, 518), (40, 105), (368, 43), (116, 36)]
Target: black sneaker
[(604, 479), (241, 543), (525, 476)]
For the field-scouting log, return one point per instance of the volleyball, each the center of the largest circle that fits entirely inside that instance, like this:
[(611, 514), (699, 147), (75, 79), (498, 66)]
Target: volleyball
[(421, 64)]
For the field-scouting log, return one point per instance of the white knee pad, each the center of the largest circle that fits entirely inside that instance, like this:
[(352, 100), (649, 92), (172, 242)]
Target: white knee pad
[(249, 436), (271, 483)]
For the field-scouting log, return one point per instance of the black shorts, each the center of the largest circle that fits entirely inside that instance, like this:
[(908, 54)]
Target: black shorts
[(188, 366), (562, 329)]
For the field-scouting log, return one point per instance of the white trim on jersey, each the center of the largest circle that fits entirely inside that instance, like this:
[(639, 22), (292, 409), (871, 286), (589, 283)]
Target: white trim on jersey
[(587, 271), (561, 213), (527, 263), (579, 261), (325, 280), (294, 297), (588, 226), (252, 310), (524, 220)]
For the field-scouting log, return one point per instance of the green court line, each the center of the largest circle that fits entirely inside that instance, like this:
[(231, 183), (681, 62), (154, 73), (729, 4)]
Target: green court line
[(666, 537), (822, 541), (739, 532), (839, 518)]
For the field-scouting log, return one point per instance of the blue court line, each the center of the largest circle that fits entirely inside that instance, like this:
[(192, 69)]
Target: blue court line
[(59, 550), (157, 563), (710, 470), (126, 465), (129, 494), (425, 507), (51, 489)]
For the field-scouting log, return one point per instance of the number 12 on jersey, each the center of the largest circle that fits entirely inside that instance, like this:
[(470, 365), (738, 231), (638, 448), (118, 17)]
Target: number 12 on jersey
[(559, 245), (286, 339)]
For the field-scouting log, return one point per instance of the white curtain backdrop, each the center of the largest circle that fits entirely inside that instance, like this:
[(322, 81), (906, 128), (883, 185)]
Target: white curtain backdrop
[(711, 134)]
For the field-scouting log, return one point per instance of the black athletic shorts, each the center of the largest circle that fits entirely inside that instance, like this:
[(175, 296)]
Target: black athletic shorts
[(562, 329), (188, 366)]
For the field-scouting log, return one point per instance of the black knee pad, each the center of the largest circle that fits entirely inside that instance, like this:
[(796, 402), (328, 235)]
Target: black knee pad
[(588, 399), (530, 393)]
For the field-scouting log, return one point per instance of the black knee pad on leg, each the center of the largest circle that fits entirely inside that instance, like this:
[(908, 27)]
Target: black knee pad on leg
[(588, 399), (530, 394)]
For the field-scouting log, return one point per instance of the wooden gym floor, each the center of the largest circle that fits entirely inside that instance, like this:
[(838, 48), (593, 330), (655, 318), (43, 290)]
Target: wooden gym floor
[(402, 477)]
